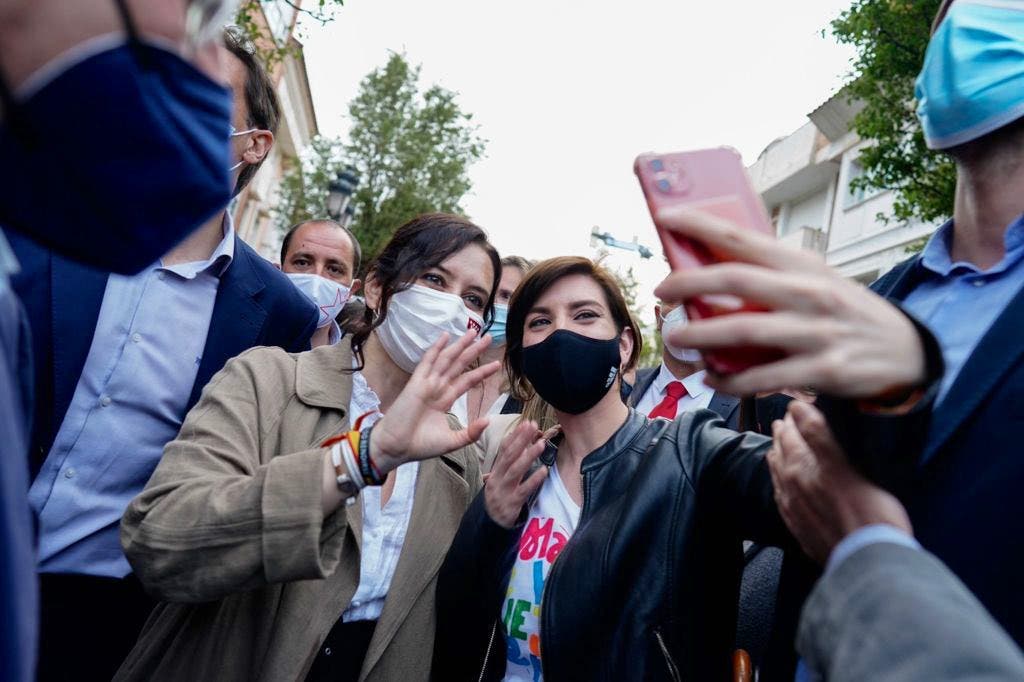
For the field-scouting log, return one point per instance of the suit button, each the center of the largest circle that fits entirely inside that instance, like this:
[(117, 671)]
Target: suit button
[(136, 337), (327, 651), (105, 400), (69, 473)]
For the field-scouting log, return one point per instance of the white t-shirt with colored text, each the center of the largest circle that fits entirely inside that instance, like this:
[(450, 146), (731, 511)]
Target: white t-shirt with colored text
[(552, 520)]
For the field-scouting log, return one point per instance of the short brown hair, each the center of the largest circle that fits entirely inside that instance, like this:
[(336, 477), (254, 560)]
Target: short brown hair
[(260, 96), (541, 278)]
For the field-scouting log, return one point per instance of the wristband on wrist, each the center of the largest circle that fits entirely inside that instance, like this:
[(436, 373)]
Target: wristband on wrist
[(346, 472), (369, 470)]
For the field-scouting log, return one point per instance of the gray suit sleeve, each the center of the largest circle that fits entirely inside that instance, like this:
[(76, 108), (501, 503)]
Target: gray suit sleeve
[(890, 612)]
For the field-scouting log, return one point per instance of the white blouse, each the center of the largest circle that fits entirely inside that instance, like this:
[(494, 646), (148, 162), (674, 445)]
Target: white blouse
[(383, 529)]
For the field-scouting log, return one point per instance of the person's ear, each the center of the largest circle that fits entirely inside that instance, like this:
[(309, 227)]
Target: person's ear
[(626, 343), (260, 142), (371, 292), (354, 287)]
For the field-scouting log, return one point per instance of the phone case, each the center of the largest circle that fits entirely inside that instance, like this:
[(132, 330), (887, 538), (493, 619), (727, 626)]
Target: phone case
[(715, 181)]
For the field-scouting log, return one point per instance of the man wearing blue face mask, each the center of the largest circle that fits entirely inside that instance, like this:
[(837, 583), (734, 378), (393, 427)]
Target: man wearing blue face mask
[(120, 360), (967, 285), (93, 98)]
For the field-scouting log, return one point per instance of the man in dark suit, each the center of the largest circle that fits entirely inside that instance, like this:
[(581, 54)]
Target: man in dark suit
[(677, 384), (119, 361), (967, 285)]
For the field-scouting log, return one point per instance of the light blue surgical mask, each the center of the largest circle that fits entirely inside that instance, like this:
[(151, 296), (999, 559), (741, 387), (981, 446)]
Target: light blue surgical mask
[(497, 330), (972, 81)]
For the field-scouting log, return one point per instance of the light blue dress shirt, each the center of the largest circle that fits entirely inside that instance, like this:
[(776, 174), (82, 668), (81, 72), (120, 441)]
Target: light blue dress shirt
[(129, 402), (958, 302)]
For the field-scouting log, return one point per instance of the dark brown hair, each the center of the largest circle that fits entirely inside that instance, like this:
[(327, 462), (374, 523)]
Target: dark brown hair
[(260, 97), (540, 278), (422, 243)]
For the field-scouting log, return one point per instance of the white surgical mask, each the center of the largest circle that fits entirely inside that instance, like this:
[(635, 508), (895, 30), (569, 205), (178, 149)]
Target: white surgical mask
[(416, 317), (675, 320), (329, 296)]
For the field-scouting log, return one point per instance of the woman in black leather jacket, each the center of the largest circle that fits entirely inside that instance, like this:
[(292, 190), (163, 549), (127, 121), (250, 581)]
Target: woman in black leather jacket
[(619, 558)]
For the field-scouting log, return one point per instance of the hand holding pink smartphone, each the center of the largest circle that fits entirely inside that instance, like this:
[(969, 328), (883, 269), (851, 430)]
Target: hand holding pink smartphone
[(716, 182)]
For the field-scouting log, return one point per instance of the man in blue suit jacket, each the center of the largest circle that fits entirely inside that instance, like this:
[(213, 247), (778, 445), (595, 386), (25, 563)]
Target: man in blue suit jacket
[(653, 384), (967, 285), (119, 361)]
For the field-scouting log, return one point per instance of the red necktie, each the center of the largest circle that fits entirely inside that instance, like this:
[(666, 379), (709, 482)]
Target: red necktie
[(667, 407)]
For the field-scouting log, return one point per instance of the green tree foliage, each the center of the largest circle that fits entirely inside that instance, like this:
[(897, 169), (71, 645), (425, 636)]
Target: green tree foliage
[(412, 151), (269, 49), (302, 194), (890, 37)]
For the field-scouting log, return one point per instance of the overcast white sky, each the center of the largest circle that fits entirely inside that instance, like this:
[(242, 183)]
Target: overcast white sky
[(567, 93)]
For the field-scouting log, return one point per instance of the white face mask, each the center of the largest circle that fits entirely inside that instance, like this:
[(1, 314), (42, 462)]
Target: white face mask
[(675, 320), (329, 296), (417, 316)]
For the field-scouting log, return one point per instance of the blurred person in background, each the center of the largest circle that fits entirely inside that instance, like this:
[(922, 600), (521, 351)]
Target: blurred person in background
[(491, 397), (677, 385), (322, 258)]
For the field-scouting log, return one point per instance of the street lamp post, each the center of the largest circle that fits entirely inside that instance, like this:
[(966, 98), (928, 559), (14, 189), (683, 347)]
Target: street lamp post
[(339, 195), (596, 235)]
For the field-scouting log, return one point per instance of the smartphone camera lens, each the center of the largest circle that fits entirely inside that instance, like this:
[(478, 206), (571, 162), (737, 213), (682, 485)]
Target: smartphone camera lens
[(664, 185), (657, 166)]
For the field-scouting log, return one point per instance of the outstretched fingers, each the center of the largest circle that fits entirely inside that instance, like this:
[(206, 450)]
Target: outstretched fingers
[(729, 240)]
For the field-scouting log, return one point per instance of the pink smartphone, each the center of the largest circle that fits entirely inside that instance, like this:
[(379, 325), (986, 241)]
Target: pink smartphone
[(715, 181)]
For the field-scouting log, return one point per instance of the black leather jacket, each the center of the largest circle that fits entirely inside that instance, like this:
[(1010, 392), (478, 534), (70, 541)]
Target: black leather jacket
[(646, 588), (624, 596)]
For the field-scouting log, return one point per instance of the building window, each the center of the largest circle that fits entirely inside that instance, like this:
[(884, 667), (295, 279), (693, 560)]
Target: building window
[(856, 195), (280, 15)]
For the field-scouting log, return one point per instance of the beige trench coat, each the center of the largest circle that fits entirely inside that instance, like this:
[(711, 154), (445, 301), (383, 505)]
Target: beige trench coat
[(229, 533)]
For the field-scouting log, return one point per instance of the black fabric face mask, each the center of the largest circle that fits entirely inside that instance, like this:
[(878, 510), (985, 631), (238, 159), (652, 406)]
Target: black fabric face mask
[(570, 371)]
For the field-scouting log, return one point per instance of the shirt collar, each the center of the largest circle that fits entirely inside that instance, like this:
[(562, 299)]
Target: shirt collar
[(936, 255), (694, 383), (218, 261), (334, 336)]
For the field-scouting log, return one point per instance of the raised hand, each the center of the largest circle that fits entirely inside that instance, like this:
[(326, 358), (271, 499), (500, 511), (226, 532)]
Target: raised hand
[(416, 425), (820, 496), (505, 491), (837, 336)]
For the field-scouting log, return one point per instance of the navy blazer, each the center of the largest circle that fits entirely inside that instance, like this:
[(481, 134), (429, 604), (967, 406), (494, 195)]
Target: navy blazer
[(967, 503), (726, 406), (256, 305)]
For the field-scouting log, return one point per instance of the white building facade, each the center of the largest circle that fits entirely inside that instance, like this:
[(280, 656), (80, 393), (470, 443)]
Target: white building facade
[(253, 209), (804, 179)]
